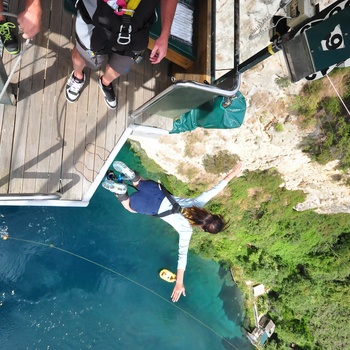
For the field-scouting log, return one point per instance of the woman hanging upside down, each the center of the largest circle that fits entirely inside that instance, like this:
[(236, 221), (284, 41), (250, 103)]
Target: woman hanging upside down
[(181, 213)]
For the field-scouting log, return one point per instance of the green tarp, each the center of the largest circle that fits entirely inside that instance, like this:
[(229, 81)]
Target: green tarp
[(69, 6), (212, 115)]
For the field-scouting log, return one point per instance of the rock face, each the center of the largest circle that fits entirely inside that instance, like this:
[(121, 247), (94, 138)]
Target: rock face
[(259, 143)]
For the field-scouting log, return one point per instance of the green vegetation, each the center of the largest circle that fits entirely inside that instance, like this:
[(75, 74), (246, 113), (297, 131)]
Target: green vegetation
[(301, 257), (279, 127), (328, 114), (283, 82), (307, 102), (219, 163)]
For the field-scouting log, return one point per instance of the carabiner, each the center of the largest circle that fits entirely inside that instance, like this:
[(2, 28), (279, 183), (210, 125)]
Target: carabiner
[(124, 37)]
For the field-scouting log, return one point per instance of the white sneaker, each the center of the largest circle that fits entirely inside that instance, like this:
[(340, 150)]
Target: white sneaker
[(124, 169), (73, 88), (117, 188)]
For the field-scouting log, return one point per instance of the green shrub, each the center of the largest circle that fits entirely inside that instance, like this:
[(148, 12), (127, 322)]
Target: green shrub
[(335, 143), (306, 106), (282, 82), (221, 162), (279, 127), (332, 105)]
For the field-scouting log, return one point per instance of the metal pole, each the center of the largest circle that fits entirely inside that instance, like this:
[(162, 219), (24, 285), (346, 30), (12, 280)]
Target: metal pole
[(236, 35), (267, 52), (7, 98)]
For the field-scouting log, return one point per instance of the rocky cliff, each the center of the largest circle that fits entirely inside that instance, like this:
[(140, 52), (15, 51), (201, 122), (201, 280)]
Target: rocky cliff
[(258, 142)]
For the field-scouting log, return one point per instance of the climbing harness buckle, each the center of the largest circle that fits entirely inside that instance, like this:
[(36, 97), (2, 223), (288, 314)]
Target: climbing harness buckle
[(124, 36), (137, 58)]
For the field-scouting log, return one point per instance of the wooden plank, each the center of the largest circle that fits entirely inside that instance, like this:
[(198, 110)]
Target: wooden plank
[(32, 157), (50, 143), (163, 81), (22, 121), (111, 129), (63, 68), (67, 168), (173, 56), (123, 111), (76, 190), (50, 136), (7, 129), (88, 167), (132, 88), (16, 147), (101, 127), (147, 87), (139, 70)]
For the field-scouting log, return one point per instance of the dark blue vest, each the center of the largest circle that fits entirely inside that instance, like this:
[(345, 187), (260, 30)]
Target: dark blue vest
[(148, 198)]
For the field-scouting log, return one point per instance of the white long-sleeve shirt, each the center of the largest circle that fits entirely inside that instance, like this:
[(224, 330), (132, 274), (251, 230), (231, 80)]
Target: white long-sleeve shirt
[(181, 224)]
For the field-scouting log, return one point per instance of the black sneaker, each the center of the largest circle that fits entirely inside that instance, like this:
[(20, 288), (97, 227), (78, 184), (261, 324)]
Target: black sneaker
[(8, 37), (108, 94)]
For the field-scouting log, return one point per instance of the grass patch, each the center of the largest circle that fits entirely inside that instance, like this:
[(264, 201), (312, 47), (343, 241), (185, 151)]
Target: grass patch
[(282, 82), (221, 162), (331, 118)]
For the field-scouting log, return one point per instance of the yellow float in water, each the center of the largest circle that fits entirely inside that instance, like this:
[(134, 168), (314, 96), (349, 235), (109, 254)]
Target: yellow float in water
[(167, 275)]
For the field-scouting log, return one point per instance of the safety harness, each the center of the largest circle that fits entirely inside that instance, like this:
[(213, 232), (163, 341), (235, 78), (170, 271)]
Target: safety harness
[(176, 209), (126, 9)]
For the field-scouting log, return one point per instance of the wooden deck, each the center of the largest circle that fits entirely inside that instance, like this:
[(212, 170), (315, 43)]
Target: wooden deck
[(50, 146)]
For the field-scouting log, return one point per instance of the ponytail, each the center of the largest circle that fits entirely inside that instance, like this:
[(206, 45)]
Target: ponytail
[(206, 220)]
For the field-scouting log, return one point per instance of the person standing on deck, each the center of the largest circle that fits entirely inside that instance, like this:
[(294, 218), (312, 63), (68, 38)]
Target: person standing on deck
[(181, 213), (115, 32), (29, 22)]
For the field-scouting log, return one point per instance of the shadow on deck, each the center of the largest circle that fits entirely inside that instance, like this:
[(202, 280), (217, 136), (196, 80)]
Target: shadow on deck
[(49, 146)]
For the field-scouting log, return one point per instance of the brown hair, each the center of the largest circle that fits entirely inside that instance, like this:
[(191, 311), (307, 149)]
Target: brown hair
[(209, 222)]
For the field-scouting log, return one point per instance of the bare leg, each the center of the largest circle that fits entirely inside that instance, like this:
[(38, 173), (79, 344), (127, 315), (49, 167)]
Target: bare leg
[(78, 64), (136, 183), (109, 75)]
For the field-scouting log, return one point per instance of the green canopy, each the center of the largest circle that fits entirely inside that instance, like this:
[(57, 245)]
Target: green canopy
[(212, 115)]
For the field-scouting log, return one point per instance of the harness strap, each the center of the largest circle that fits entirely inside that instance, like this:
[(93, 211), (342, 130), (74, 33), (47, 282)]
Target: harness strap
[(176, 209), (126, 9)]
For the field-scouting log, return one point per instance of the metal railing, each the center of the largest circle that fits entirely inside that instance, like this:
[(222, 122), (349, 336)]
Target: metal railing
[(181, 97)]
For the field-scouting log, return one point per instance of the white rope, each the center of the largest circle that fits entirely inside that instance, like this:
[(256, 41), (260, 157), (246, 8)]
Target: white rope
[(24, 48), (338, 94)]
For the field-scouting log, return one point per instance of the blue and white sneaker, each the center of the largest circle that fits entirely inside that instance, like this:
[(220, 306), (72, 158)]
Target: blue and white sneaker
[(126, 171), (117, 188)]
